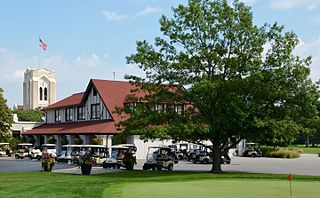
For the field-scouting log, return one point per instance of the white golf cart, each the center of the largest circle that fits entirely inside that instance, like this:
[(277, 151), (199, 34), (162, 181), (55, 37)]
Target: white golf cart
[(5, 150), (49, 148), (27, 150), (158, 158), (117, 155), (99, 153), (67, 152), (252, 150)]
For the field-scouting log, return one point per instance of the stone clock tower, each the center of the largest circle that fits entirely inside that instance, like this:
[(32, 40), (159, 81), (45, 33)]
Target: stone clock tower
[(39, 88)]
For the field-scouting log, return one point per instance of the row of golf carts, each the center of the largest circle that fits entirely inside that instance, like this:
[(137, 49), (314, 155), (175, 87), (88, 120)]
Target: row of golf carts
[(158, 157)]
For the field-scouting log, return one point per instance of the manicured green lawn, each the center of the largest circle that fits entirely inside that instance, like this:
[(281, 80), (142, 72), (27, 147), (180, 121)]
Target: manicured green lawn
[(310, 150), (225, 188), (155, 184)]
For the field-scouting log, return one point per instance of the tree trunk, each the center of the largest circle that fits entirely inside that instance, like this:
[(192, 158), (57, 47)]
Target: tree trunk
[(307, 141), (216, 156)]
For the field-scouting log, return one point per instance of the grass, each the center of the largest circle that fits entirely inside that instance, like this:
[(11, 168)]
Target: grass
[(309, 150), (155, 184)]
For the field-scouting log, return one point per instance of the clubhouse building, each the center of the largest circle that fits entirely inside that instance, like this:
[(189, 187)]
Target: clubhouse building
[(89, 117)]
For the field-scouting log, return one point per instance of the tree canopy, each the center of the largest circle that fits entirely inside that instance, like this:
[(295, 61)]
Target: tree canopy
[(29, 115), (5, 118), (234, 78)]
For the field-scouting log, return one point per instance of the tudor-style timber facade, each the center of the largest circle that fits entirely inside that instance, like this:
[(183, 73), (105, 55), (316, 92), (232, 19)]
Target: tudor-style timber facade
[(91, 114)]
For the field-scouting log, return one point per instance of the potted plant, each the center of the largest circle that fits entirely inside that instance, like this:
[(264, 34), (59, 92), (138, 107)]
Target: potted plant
[(86, 162), (48, 161)]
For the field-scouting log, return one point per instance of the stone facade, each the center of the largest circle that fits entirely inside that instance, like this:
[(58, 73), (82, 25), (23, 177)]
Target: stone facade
[(39, 88)]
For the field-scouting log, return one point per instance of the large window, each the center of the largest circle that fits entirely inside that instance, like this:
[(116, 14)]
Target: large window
[(40, 92), (81, 115), (45, 94), (58, 115), (69, 114), (95, 111)]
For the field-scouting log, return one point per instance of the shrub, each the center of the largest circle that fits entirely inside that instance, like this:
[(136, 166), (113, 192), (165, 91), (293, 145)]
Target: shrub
[(283, 153), (280, 152)]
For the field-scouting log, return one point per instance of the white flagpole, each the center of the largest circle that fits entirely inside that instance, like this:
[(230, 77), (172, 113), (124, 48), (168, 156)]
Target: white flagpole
[(39, 52)]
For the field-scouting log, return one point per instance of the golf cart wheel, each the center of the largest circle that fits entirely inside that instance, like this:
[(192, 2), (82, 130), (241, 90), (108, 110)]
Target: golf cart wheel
[(206, 161), (144, 167), (155, 168), (170, 167), (253, 155), (17, 156)]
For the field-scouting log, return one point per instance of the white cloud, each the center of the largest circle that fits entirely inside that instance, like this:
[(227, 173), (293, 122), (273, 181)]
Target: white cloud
[(147, 11), (92, 60), (289, 4), (113, 16), (247, 2), (311, 48)]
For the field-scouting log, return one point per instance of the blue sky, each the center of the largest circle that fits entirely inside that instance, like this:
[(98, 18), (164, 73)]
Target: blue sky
[(90, 39)]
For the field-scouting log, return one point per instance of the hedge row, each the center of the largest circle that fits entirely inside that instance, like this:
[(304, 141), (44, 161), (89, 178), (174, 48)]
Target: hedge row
[(279, 152)]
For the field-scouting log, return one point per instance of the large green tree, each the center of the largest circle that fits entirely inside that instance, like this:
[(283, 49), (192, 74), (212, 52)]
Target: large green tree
[(29, 115), (5, 118), (236, 79)]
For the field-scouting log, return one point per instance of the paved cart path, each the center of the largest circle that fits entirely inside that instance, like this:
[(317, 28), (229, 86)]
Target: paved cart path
[(307, 164)]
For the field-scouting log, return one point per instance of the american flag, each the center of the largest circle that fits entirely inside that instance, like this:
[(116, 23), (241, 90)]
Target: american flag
[(42, 45)]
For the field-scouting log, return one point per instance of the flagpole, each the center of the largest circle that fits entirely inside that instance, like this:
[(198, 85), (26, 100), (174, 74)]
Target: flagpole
[(39, 54)]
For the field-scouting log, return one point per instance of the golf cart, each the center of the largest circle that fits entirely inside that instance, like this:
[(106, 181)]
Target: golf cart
[(27, 150), (252, 150), (159, 157), (5, 150), (49, 148), (99, 153), (67, 152), (117, 155), (206, 158)]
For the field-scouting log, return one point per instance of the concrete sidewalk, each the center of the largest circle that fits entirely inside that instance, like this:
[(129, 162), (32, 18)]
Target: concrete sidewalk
[(94, 170)]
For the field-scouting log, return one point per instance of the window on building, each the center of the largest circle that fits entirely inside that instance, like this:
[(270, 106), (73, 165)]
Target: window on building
[(94, 92), (69, 114), (179, 108), (81, 115), (40, 93), (95, 111), (45, 94), (160, 107), (58, 115)]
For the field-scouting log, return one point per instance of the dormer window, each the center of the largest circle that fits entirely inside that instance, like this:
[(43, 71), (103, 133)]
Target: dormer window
[(95, 111), (81, 115), (69, 114), (94, 92), (58, 115)]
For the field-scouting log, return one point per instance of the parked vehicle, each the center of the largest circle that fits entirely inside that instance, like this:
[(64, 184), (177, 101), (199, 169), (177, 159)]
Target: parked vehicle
[(5, 149), (117, 155), (49, 148), (99, 153), (252, 150), (159, 157), (71, 153), (67, 152), (26, 150), (206, 158)]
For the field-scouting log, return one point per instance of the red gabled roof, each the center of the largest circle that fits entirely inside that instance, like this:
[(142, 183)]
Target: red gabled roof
[(87, 127), (115, 93), (72, 100)]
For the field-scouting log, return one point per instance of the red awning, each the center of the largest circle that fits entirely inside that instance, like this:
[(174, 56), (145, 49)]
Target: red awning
[(86, 127)]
